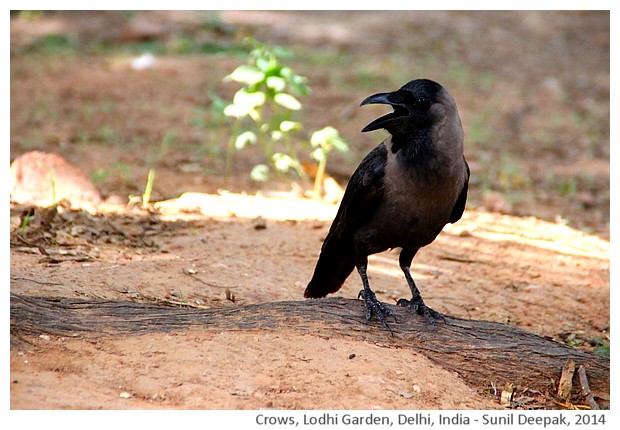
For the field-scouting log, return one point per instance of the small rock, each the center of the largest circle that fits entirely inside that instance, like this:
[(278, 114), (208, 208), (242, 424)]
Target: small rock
[(33, 173), (125, 395), (230, 295), (260, 223), (506, 395), (351, 356)]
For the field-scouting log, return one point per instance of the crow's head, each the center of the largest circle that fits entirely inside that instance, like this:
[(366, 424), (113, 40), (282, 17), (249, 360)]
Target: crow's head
[(418, 103)]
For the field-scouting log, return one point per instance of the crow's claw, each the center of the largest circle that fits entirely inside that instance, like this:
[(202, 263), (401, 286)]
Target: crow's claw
[(417, 306), (374, 306)]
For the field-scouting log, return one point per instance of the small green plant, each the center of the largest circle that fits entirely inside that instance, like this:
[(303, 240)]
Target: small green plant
[(324, 141), (263, 113), (262, 108), (146, 196), (54, 44), (26, 220), (99, 176), (602, 347), (53, 186)]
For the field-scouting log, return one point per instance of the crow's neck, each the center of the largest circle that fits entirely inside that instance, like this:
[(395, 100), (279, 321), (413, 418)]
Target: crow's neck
[(414, 148)]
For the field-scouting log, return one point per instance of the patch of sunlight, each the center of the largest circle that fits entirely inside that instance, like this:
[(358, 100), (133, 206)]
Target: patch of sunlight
[(234, 205), (531, 231)]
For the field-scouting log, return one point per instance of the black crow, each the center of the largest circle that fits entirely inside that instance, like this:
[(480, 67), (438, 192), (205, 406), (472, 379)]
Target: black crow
[(401, 196)]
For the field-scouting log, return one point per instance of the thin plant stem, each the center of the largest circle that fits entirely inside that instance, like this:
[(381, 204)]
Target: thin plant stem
[(320, 173)]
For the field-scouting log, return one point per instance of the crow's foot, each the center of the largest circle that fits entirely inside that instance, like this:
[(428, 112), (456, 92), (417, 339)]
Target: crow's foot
[(374, 306), (417, 306)]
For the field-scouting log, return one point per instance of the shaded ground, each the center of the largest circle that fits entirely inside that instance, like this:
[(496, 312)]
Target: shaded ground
[(538, 143)]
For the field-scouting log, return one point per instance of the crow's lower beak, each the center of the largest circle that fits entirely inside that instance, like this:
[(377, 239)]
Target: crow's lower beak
[(393, 99)]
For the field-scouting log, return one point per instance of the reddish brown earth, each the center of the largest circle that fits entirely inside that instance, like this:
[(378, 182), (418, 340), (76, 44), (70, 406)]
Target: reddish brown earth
[(530, 271)]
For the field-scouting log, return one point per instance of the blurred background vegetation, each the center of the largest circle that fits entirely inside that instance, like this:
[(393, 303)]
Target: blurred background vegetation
[(122, 93)]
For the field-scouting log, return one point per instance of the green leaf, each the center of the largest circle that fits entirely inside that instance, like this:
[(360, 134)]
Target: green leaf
[(244, 102), (602, 350), (287, 101), (260, 173), (321, 137), (318, 154), (276, 135), (340, 144), (263, 63), (298, 83), (287, 126), (328, 138), (268, 63), (248, 75), (276, 83), (244, 138), (287, 72), (235, 111), (249, 99), (282, 162)]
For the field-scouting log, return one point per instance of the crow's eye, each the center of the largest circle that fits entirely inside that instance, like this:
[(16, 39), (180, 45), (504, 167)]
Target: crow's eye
[(422, 103)]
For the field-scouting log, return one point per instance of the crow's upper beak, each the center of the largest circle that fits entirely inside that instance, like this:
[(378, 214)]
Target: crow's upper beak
[(381, 98), (394, 99)]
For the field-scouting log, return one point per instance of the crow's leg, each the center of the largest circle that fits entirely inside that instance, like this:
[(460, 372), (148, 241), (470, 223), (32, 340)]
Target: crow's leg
[(373, 306), (416, 303)]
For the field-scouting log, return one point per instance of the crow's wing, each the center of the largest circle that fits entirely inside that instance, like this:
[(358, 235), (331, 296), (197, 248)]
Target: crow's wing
[(459, 206), (361, 197)]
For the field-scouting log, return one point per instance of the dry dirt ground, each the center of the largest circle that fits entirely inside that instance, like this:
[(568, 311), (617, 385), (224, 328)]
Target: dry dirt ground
[(233, 249), (543, 277)]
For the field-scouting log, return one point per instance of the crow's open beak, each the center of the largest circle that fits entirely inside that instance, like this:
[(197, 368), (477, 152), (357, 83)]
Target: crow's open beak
[(394, 99)]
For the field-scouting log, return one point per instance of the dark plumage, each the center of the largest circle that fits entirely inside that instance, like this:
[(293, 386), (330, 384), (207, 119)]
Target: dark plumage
[(401, 195)]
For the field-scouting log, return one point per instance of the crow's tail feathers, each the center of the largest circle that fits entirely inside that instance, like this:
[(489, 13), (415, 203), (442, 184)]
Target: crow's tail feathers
[(335, 264)]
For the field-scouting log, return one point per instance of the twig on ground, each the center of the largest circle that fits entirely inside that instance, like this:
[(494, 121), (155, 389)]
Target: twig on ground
[(585, 388)]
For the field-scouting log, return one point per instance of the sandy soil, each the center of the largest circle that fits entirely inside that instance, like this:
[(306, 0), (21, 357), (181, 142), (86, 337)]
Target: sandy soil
[(491, 267)]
